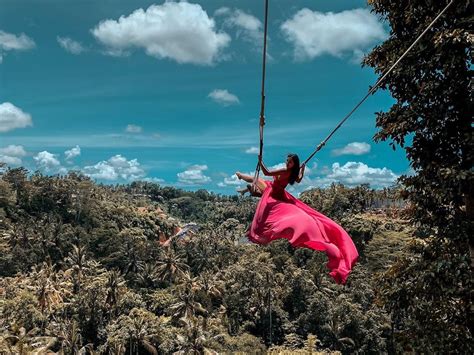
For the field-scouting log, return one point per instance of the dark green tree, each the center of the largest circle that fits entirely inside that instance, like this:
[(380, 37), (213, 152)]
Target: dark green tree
[(429, 294)]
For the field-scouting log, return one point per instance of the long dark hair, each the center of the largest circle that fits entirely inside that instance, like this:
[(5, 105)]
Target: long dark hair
[(295, 170)]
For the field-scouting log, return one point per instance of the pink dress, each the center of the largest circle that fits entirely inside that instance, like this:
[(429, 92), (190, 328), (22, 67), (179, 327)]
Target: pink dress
[(280, 215)]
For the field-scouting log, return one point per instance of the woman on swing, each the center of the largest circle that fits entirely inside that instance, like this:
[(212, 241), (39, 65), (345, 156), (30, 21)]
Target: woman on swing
[(281, 215), (281, 177)]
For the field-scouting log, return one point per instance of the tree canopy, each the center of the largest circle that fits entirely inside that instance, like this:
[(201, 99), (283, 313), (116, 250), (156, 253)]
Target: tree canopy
[(430, 295)]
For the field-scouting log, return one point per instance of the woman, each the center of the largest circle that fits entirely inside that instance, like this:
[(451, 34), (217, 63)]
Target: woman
[(282, 177), (280, 215)]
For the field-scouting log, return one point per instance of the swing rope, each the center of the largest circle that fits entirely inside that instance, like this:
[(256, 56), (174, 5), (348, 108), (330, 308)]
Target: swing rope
[(346, 117), (377, 85), (262, 106)]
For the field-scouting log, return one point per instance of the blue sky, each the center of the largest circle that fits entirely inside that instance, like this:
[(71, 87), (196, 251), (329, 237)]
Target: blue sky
[(170, 92)]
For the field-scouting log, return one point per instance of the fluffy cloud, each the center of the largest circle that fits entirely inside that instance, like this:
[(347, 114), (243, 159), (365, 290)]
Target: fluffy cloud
[(13, 150), (175, 30), (314, 33), (11, 42), (356, 173), (248, 27), (223, 97), (9, 160), (252, 150), (131, 128), (70, 45), (354, 148), (47, 162), (12, 154), (72, 153), (277, 166), (194, 175), (116, 168), (12, 117), (232, 181)]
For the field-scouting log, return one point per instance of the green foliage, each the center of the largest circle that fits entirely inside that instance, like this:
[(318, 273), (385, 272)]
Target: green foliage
[(85, 272), (137, 332), (429, 292), (338, 201), (84, 268)]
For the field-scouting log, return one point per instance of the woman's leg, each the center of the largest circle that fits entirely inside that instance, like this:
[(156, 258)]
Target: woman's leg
[(244, 177), (255, 190), (261, 185)]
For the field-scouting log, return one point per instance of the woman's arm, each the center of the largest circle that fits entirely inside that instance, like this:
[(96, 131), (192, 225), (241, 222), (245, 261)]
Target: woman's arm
[(301, 174), (267, 172)]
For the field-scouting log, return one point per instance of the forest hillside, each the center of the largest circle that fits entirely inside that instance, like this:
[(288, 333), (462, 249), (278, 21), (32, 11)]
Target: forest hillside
[(140, 268)]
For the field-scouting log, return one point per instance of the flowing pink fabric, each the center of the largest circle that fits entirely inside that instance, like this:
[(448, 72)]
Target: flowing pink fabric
[(280, 215)]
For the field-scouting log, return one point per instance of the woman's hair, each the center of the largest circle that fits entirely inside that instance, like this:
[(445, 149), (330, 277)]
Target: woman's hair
[(295, 170)]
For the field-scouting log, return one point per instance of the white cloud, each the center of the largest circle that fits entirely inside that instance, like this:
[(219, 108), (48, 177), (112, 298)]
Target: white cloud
[(73, 152), (194, 175), (116, 168), (231, 180), (222, 11), (314, 33), (10, 160), (9, 42), (14, 151), (47, 162), (355, 173), (175, 30), (12, 117), (252, 150), (248, 26), (12, 154), (354, 148), (223, 97), (131, 128), (277, 166), (154, 180), (70, 45)]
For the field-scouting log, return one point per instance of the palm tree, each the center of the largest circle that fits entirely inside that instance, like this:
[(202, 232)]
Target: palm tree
[(77, 261), (24, 343), (186, 307), (132, 258), (208, 291), (137, 332), (114, 284), (71, 338), (148, 275), (200, 252), (196, 339), (51, 287), (139, 337), (171, 266)]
